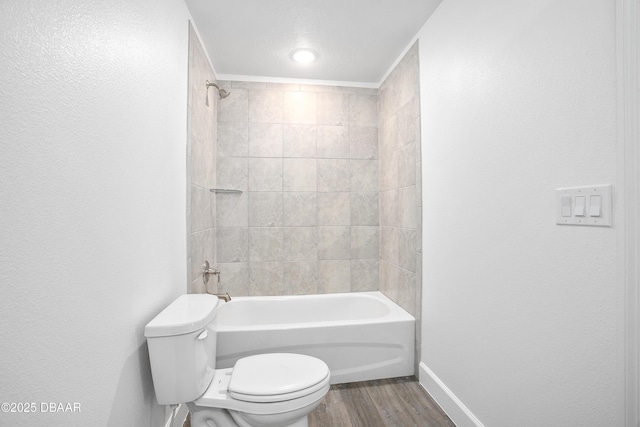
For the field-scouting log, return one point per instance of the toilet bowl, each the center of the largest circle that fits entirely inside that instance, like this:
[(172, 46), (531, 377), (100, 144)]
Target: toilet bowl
[(267, 390), (277, 389)]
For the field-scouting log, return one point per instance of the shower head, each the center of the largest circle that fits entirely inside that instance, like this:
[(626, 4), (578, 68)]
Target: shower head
[(221, 92)]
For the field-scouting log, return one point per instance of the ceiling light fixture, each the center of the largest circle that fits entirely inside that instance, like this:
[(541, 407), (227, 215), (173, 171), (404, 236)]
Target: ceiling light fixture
[(304, 56)]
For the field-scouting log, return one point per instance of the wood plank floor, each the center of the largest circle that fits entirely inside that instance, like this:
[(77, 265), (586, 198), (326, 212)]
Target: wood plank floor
[(394, 402), (397, 402)]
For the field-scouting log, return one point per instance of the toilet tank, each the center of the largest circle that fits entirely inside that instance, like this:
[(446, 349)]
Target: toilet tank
[(182, 348)]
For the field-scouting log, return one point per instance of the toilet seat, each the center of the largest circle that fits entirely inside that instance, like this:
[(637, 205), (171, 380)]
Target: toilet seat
[(276, 377), (218, 394)]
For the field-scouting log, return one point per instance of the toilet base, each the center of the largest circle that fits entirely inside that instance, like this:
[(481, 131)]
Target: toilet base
[(216, 417), (216, 408)]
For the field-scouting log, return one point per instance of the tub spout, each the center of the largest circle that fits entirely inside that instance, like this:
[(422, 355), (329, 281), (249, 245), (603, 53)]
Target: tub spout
[(226, 297)]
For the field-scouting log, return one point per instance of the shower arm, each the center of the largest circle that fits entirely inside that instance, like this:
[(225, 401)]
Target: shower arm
[(209, 84), (222, 93)]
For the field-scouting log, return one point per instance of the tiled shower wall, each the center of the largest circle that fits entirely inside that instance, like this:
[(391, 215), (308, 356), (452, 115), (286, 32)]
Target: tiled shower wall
[(305, 159), (201, 172), (329, 179), (400, 194)]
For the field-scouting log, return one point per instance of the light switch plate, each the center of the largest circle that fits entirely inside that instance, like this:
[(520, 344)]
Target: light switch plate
[(605, 211)]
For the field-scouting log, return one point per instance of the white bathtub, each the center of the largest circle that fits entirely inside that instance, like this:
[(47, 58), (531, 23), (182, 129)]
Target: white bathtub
[(361, 336)]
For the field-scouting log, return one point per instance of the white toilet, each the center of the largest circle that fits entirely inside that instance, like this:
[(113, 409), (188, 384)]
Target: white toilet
[(267, 390)]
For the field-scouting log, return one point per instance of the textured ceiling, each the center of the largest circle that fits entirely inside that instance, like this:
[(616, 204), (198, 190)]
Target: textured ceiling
[(357, 40)]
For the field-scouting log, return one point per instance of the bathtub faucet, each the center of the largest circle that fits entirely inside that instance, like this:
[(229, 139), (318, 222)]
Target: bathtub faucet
[(226, 297)]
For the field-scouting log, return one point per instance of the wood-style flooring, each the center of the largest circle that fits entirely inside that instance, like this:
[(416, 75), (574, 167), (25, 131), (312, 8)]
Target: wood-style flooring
[(394, 402), (397, 402)]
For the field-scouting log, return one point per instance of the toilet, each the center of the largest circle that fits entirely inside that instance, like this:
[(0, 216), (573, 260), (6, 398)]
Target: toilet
[(266, 390)]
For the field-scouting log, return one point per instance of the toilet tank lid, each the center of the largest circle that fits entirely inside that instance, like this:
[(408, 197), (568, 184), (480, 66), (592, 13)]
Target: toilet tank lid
[(188, 313)]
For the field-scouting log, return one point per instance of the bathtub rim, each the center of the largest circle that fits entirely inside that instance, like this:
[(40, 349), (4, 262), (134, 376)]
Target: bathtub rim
[(395, 314)]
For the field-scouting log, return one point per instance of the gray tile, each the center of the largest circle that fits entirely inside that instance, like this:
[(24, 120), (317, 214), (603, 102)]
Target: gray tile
[(197, 255), (390, 244), (363, 110), (385, 96), (211, 251), (299, 140), (265, 140), (200, 209), (363, 142), (364, 175), (265, 244), (300, 244), (365, 275), (234, 108), (210, 163), (233, 139), (388, 136), (265, 174), (333, 175), (407, 165), (334, 242), (248, 85), (333, 142), (389, 171), (196, 165), (333, 108), (266, 106), (300, 209), (365, 208), (334, 276), (265, 209), (301, 278), (232, 173), (406, 297), (389, 276), (389, 211), (197, 287), (407, 207), (190, 131), (334, 208), (407, 249), (231, 210), (266, 278), (232, 244), (300, 175), (299, 107), (409, 79), (189, 273), (234, 278), (407, 125), (364, 242), (200, 121)]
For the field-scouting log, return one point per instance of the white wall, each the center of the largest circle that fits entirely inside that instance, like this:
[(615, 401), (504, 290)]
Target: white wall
[(521, 317), (93, 107)]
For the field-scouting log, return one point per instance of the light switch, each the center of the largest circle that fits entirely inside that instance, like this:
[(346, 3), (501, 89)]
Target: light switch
[(580, 205), (595, 205), (588, 205), (565, 206)]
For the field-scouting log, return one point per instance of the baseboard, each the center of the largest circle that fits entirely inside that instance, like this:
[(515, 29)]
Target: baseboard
[(454, 408), (177, 420)]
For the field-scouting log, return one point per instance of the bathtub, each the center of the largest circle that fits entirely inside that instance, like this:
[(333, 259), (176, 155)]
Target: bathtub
[(361, 336)]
